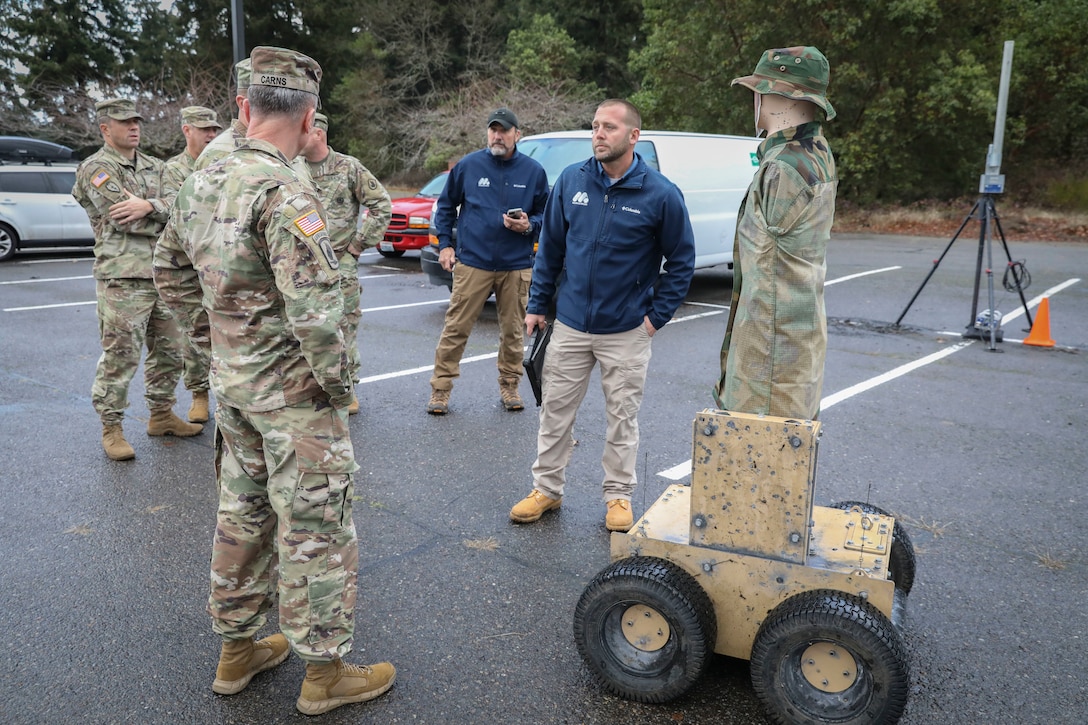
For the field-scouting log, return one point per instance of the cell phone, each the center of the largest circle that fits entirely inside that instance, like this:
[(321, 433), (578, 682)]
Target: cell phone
[(514, 213)]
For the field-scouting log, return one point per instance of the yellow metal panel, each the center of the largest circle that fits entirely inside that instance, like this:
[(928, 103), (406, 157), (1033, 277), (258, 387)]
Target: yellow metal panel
[(752, 481), (851, 541)]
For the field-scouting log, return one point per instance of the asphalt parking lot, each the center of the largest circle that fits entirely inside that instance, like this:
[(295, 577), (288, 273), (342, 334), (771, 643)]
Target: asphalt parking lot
[(980, 453)]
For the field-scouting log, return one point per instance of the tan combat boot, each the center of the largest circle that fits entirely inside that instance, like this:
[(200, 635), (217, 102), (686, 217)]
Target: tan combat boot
[(164, 423), (354, 407), (330, 685), (114, 443), (198, 411), (240, 659)]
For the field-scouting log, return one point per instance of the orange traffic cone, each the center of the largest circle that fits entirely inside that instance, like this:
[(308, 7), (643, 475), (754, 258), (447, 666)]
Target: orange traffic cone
[(1040, 331)]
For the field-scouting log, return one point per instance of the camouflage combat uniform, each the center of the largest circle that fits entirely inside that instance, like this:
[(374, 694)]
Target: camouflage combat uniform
[(772, 359), (130, 312), (344, 185), (197, 353), (248, 239), (221, 145)]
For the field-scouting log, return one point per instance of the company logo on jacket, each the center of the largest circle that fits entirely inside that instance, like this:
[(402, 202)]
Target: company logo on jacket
[(484, 181), (580, 199)]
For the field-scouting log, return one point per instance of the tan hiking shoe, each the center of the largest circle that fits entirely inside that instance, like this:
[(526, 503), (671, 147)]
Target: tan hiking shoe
[(164, 423), (532, 507), (353, 408), (510, 398), (115, 445), (240, 659), (619, 517), (439, 404), (330, 685), (198, 411)]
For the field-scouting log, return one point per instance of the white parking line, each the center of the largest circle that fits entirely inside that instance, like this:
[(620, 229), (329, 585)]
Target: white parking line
[(46, 279)]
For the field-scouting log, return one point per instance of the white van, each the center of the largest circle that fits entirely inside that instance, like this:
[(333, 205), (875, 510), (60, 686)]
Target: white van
[(713, 171)]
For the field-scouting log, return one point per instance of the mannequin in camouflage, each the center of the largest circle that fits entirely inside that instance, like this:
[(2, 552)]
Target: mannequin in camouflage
[(248, 242), (772, 358)]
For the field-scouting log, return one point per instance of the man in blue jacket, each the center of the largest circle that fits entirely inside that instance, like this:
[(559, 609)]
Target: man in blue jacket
[(608, 226), (501, 194)]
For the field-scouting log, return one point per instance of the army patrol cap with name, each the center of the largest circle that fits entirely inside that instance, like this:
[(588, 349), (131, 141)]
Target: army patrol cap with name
[(119, 109), (801, 72), (284, 68), (199, 117), (242, 73), (321, 121)]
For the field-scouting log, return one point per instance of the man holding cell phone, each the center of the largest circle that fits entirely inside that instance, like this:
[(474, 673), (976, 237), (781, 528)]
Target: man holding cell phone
[(495, 197)]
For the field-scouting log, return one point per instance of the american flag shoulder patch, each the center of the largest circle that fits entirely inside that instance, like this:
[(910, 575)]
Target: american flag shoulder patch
[(100, 178), (310, 223)]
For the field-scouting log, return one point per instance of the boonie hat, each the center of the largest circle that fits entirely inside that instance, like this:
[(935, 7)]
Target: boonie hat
[(119, 109), (801, 72), (321, 121), (242, 73), (504, 117), (199, 117), (284, 68)]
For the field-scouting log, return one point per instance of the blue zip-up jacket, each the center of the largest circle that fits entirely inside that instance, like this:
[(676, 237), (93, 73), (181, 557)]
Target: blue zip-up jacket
[(485, 187), (609, 243)]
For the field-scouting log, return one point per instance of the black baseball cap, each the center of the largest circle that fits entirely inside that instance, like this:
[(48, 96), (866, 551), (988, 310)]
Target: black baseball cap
[(504, 117)]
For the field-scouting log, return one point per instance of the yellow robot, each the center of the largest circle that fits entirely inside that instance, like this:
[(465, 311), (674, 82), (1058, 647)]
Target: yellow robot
[(742, 563)]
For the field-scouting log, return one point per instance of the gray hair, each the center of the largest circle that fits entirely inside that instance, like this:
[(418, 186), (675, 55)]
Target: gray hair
[(272, 101)]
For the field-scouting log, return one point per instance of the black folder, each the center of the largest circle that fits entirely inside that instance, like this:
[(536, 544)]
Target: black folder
[(534, 358)]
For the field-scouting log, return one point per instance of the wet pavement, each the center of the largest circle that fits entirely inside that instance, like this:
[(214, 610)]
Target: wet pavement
[(980, 454)]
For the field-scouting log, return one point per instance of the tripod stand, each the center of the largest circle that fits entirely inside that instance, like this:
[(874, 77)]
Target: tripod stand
[(985, 211)]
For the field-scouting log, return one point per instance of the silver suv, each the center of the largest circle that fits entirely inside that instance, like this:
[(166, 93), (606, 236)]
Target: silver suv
[(37, 209)]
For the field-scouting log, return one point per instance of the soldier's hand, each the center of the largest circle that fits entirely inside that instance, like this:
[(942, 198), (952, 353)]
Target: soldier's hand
[(132, 209)]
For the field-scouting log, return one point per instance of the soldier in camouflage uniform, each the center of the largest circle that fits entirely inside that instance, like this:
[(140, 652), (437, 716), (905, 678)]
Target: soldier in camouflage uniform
[(345, 186), (234, 136), (249, 242), (119, 187), (772, 359), (199, 125)]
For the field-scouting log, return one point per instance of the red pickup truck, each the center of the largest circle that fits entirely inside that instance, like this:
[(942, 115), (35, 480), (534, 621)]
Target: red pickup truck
[(411, 219)]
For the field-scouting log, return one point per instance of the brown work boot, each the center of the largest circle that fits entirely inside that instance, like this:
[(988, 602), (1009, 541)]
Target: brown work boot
[(619, 517), (354, 407), (198, 411), (508, 389), (439, 404), (532, 507), (330, 685), (240, 659), (164, 423), (114, 443)]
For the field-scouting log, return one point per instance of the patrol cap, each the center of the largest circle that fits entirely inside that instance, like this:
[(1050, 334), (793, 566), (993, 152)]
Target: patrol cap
[(119, 109), (321, 121), (801, 72), (504, 117), (241, 75), (199, 117), (284, 68)]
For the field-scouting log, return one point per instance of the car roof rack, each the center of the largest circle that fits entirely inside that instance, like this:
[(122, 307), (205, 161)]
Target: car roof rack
[(21, 150)]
